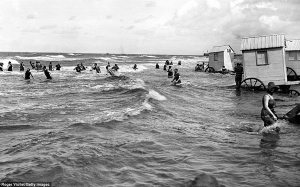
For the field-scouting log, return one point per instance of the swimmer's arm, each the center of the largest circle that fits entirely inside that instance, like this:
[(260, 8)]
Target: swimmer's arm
[(266, 101)]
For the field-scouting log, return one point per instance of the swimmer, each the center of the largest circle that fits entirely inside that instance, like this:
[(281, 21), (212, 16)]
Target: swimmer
[(170, 72), (77, 68), (268, 114), (21, 66), (108, 65), (47, 73), (9, 66), (157, 66), (97, 68), (28, 74), (82, 67), (50, 66), (32, 65), (165, 67), (58, 66), (179, 62), (116, 67), (135, 67), (176, 77), (171, 63), (223, 70), (1, 66)]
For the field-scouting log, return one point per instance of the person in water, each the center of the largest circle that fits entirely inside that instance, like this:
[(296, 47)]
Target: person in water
[(32, 65), (157, 66), (9, 66), (97, 68), (224, 70), (165, 67), (292, 116), (268, 114), (47, 73), (238, 75), (176, 77), (107, 66), (1, 66), (170, 72), (77, 68), (167, 62), (179, 62), (116, 67), (50, 66), (135, 67), (82, 67), (28, 74), (58, 66), (198, 68), (171, 63), (21, 66)]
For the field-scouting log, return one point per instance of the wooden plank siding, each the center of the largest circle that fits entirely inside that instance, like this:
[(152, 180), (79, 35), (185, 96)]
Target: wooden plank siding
[(273, 72), (217, 65)]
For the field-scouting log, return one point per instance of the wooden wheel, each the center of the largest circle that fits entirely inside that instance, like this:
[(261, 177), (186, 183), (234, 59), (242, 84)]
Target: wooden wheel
[(291, 74), (210, 70), (294, 93), (253, 84)]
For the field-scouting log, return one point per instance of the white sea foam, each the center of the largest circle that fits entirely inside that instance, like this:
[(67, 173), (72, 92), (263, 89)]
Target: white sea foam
[(5, 62), (129, 68), (155, 95), (47, 58)]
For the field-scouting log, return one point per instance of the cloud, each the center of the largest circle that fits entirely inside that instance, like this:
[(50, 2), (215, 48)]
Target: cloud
[(225, 22), (48, 27), (31, 30), (72, 18), (76, 28), (130, 27), (143, 19), (186, 7), (33, 15), (108, 17), (151, 4)]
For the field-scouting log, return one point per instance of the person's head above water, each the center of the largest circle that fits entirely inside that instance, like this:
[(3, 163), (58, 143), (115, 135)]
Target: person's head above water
[(44, 67), (271, 88)]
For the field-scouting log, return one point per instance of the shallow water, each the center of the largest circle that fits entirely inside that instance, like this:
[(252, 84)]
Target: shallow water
[(87, 129)]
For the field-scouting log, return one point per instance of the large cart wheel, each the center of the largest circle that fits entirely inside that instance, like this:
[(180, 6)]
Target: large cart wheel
[(210, 70), (291, 74), (294, 93), (253, 84)]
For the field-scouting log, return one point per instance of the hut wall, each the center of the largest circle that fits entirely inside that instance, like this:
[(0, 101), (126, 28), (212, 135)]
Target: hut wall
[(294, 64), (217, 65), (274, 71)]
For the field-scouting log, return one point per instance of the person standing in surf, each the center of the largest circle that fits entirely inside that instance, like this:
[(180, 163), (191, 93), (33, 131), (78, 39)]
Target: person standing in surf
[(238, 75), (47, 73), (157, 66), (1, 66), (170, 72), (77, 68), (268, 114), (58, 66), (28, 74), (50, 66), (176, 77), (135, 67), (9, 66), (21, 66)]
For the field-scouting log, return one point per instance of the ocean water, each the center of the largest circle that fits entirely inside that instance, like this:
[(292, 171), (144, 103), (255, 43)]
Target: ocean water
[(87, 129)]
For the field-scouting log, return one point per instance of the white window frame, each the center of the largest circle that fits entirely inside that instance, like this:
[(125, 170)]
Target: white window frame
[(266, 61)]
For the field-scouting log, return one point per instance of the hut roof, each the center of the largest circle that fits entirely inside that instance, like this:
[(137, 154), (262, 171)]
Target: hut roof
[(293, 45), (263, 42), (220, 48)]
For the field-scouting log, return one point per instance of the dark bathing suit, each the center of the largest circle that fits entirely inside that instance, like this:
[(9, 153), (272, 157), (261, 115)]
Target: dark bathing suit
[(176, 76), (47, 74), (267, 118), (27, 75)]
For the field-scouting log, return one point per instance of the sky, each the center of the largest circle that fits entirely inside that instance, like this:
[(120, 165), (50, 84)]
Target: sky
[(181, 27)]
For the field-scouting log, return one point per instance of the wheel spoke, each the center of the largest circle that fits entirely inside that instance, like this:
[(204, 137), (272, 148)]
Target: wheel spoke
[(255, 83)]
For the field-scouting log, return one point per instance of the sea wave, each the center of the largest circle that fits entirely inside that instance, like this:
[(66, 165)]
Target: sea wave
[(6, 60), (47, 58)]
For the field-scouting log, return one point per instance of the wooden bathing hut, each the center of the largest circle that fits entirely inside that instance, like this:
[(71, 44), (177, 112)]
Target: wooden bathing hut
[(264, 61), (221, 56), (292, 58)]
